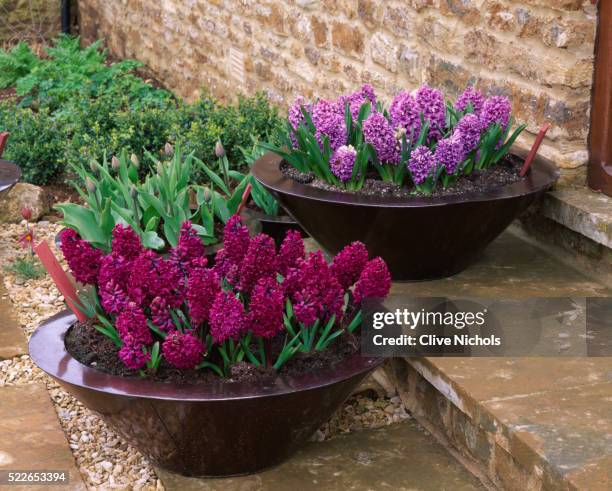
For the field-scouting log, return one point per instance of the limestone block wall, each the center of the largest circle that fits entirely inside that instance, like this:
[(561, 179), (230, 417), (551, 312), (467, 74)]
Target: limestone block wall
[(537, 52)]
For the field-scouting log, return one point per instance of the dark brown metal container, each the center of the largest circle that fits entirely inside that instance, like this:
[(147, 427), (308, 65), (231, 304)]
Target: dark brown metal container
[(274, 226), (421, 238), (215, 429), (10, 173)]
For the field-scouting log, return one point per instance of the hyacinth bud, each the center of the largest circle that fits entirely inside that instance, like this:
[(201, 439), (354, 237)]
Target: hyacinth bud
[(160, 167), (90, 185), (219, 150), (115, 163), (134, 159), (133, 192), (168, 149), (26, 213)]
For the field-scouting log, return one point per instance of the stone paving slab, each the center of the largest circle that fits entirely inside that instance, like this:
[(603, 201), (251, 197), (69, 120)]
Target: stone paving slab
[(12, 340), (553, 416), (400, 457), (31, 437)]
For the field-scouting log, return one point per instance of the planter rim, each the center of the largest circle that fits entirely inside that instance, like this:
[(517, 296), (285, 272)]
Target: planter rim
[(542, 175), (47, 350), (10, 173)]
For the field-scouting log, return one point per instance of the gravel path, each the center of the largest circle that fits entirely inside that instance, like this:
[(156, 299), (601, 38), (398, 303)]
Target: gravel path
[(103, 458)]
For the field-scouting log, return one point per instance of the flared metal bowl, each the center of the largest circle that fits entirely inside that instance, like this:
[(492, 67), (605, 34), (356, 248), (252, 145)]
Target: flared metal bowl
[(213, 429), (419, 238)]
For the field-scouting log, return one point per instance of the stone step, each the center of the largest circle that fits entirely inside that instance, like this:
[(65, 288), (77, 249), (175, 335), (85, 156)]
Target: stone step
[(12, 340), (31, 437), (530, 423), (575, 222), (399, 457)]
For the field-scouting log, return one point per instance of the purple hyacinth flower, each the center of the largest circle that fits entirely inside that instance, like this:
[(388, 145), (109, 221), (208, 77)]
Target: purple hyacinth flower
[(470, 95), (349, 263), (405, 114), (343, 161), (431, 104), (266, 308), (378, 131), (496, 109), (328, 119), (421, 163), (468, 131), (132, 354), (358, 99), (449, 153)]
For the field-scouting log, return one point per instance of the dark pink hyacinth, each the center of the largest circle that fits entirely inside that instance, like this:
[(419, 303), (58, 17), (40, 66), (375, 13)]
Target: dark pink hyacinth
[(182, 350)]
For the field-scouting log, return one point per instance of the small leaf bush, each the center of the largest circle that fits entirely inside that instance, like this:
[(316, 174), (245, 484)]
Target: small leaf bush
[(75, 107)]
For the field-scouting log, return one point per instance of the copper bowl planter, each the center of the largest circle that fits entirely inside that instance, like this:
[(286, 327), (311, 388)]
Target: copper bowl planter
[(421, 238), (215, 429), (274, 226), (10, 173)]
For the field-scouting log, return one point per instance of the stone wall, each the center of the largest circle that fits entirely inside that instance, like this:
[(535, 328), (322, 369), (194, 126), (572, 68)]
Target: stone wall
[(538, 52), (33, 21)]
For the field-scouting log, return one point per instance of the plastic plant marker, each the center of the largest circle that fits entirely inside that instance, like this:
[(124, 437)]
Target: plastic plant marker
[(3, 139), (59, 276), (245, 197), (534, 149)]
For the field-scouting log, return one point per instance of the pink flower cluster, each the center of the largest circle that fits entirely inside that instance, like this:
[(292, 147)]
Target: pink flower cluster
[(188, 306)]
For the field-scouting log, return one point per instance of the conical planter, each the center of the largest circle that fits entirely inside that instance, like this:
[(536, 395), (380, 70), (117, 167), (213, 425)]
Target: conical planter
[(10, 173), (421, 238), (214, 429)]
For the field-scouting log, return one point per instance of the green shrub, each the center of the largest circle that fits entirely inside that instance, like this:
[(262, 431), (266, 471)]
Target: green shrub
[(37, 143), (70, 71), (75, 108)]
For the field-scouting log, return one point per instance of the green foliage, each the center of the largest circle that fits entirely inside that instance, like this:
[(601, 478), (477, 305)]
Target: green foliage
[(155, 208), (37, 143), (76, 108), (26, 268), (68, 71)]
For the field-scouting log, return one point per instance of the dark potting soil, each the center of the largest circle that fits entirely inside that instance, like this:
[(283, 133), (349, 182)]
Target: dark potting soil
[(504, 173), (92, 348)]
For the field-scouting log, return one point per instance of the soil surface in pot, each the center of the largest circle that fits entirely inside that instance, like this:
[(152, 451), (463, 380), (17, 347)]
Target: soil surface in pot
[(95, 350), (504, 173)]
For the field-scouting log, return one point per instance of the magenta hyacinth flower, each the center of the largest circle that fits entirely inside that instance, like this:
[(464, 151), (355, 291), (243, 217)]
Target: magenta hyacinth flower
[(133, 322), (132, 353), (468, 131), (470, 95), (374, 281), (421, 164), (126, 242), (266, 308), (83, 259), (349, 263), (182, 351), (235, 240), (449, 153), (343, 161), (203, 285), (160, 314), (259, 261), (315, 290), (189, 247), (328, 120), (405, 114), (154, 276), (496, 109), (431, 104), (378, 131), (227, 318), (291, 250)]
